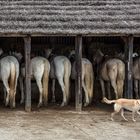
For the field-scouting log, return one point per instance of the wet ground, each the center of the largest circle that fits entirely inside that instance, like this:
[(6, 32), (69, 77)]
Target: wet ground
[(55, 123)]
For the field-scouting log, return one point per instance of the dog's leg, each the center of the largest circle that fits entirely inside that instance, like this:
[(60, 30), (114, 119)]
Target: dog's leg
[(138, 112), (117, 109), (112, 115), (122, 114), (133, 115)]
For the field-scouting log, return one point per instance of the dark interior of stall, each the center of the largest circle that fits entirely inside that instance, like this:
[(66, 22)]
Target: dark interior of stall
[(109, 46)]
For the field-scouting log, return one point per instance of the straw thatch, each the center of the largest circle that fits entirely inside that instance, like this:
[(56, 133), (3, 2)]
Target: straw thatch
[(87, 17)]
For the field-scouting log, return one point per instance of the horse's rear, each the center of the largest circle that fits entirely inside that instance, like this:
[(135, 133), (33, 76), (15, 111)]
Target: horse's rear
[(87, 79), (113, 70), (9, 68), (120, 78), (40, 69), (61, 70)]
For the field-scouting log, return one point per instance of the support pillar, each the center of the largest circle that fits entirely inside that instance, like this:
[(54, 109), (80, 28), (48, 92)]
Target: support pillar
[(27, 50), (78, 81), (128, 67)]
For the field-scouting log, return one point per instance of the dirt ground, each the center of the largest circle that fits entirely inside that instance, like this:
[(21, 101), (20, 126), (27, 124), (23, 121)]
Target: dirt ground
[(55, 123)]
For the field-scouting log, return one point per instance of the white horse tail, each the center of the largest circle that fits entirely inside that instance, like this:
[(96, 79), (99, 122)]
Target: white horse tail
[(120, 79), (89, 79), (46, 81), (12, 85), (91, 84), (67, 73)]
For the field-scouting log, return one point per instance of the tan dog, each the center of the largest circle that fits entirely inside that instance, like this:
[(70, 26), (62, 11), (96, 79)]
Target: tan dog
[(121, 104)]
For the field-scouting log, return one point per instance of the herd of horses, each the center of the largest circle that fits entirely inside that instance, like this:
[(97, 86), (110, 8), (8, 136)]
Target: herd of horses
[(110, 70)]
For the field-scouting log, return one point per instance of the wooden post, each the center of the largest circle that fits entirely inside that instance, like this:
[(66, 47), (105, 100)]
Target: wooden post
[(78, 81), (27, 49), (128, 67)]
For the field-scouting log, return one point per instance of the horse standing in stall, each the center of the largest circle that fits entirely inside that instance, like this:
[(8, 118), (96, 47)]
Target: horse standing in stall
[(87, 78), (60, 70), (111, 70), (135, 70), (40, 69), (9, 72), (136, 73)]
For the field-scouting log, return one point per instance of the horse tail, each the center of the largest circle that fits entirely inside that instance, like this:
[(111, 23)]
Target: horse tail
[(105, 100), (91, 84), (12, 84), (120, 79), (46, 81), (67, 72), (89, 80)]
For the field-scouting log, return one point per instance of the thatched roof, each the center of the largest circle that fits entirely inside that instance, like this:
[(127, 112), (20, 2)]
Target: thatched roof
[(92, 17)]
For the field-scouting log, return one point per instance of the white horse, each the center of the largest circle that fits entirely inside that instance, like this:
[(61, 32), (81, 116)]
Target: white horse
[(40, 69), (87, 78), (60, 70), (9, 72)]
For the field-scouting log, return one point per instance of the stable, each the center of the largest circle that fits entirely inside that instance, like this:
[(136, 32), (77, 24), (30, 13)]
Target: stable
[(77, 18)]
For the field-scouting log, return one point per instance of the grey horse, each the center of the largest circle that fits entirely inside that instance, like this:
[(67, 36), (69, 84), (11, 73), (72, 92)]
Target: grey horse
[(87, 78), (136, 73), (60, 70), (9, 73), (40, 69)]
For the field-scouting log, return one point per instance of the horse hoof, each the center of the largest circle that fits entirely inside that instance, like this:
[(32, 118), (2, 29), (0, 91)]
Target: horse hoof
[(39, 105), (22, 101), (6, 104), (45, 104), (86, 104), (53, 101), (109, 98), (63, 104), (12, 107), (137, 97)]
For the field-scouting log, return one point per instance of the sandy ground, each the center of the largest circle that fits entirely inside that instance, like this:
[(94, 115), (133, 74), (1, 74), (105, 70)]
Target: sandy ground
[(55, 123)]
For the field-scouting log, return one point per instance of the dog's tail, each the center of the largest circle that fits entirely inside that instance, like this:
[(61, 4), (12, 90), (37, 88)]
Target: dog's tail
[(105, 100)]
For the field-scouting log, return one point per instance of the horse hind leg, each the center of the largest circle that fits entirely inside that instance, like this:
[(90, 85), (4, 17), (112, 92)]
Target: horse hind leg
[(89, 86), (21, 89), (108, 90), (5, 82), (67, 72), (39, 84), (120, 84), (61, 82), (114, 85), (136, 88), (86, 93), (14, 93), (112, 74), (53, 91), (102, 87), (4, 91)]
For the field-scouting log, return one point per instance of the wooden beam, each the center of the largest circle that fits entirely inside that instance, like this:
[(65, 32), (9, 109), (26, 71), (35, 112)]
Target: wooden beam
[(78, 81), (27, 49), (128, 66)]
